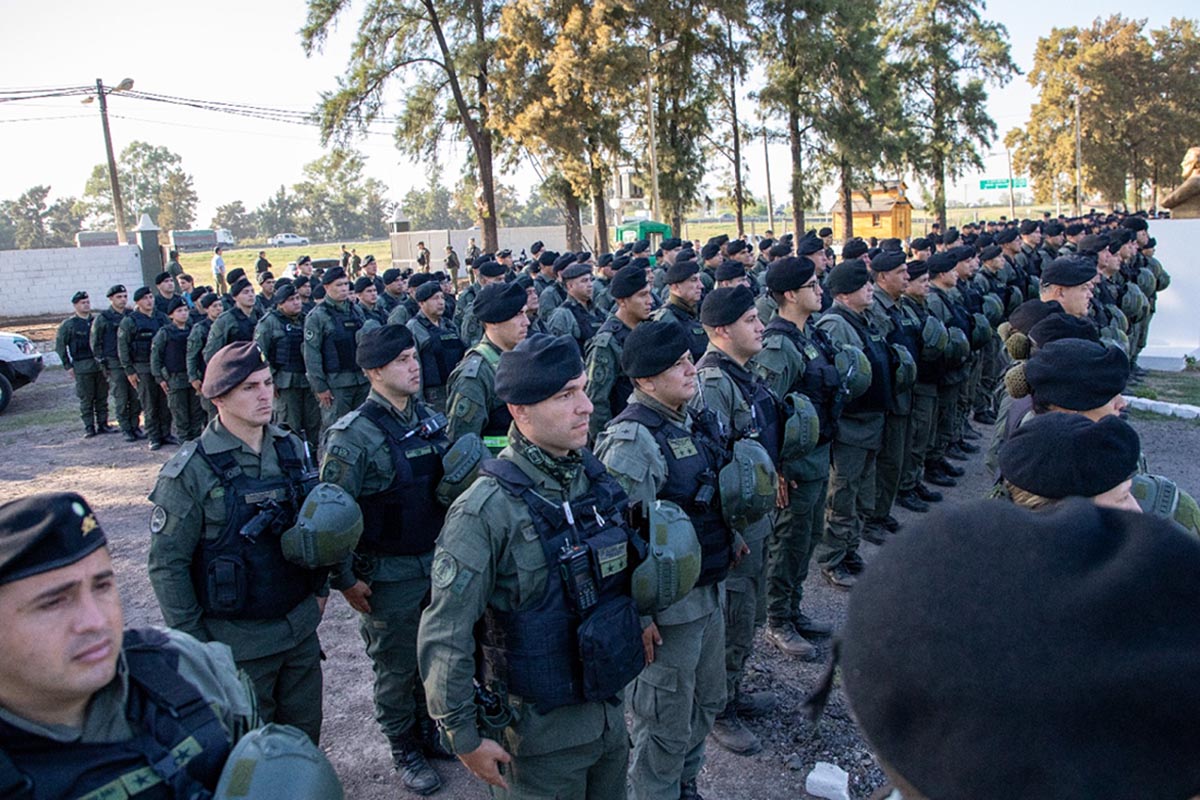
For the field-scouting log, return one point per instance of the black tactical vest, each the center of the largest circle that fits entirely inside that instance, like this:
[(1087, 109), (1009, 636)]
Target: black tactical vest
[(244, 330), (554, 654), (499, 418), (287, 351), (693, 461), (440, 353), (821, 382), (584, 320), (178, 746), (405, 518), (339, 348), (175, 350), (959, 317), (242, 574), (766, 426), (622, 386), (879, 396), (929, 371), (143, 335), (697, 338), (79, 339), (109, 344)]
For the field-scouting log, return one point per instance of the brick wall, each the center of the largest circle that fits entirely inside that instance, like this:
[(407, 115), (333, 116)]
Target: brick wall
[(34, 282)]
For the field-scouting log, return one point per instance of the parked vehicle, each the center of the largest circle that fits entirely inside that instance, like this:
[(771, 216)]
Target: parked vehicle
[(20, 364), (287, 240)]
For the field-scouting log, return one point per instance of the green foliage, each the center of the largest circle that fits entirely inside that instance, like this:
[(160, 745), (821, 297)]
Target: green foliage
[(152, 182), (234, 217), (278, 214), (29, 222)]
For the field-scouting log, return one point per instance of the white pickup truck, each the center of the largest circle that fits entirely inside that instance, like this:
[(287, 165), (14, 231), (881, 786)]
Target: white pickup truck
[(287, 240), (20, 364)]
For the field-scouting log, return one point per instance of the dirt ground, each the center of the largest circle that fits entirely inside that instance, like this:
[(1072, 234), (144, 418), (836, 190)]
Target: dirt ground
[(42, 450)]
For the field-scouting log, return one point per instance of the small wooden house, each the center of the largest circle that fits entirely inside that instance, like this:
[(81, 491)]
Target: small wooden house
[(885, 214)]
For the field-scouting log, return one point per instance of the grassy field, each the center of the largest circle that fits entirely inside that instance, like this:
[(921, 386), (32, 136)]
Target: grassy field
[(1171, 387), (199, 264)]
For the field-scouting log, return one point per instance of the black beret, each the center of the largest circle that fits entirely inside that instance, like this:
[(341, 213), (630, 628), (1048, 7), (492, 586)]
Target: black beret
[(731, 270), (80, 295), (920, 243), (1027, 226), (303, 260), (1063, 326), (621, 261), (984, 240), (627, 282), (563, 261), (961, 253), (766, 244), (300, 280), (809, 245), (420, 279), (710, 250), (891, 244), (208, 299), (673, 243), (990, 252), (653, 347), (1061, 455), (390, 276), (847, 277), (726, 305), (825, 232), (1150, 244), (1053, 229), (547, 258), (318, 292), (199, 292), (174, 303), (779, 250), (576, 270), (1135, 224), (332, 274), (1119, 238), (641, 246), (160, 277), (1053, 651), (917, 268), (1074, 229), (505, 253), (1031, 312), (537, 368), (789, 274), (44, 532), (284, 292), (499, 302), (229, 366), (140, 292), (853, 249), (370, 259), (1007, 235), (1068, 270), (115, 289), (887, 261), (1093, 244), (363, 283), (235, 274), (524, 280), (735, 247), (1076, 374), (265, 276), (682, 270), (239, 286), (536, 247), (491, 269), (605, 260), (381, 346), (872, 252), (938, 263), (426, 290)]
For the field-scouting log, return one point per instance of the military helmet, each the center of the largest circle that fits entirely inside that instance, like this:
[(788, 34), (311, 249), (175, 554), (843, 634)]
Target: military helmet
[(905, 376), (854, 368), (993, 309), (1134, 303), (327, 528), (1155, 494), (748, 484), (672, 562), (1115, 336), (1035, 286), (981, 331), (1015, 298), (277, 761), (958, 350), (934, 336), (460, 467), (1147, 281), (802, 427)]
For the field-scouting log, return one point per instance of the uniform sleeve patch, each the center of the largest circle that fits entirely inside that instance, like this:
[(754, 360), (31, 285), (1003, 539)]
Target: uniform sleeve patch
[(445, 570), (332, 470), (158, 519), (310, 334)]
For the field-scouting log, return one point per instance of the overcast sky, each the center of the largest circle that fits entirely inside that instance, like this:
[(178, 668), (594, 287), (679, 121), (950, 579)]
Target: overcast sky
[(249, 52)]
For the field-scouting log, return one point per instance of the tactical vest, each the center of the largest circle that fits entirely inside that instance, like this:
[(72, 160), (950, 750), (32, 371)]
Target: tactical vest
[(622, 386), (405, 518), (178, 747), (929, 371), (440, 353), (205, 325), (959, 317), (499, 418), (244, 329), (585, 321), (972, 297), (766, 423), (879, 396), (242, 574), (339, 347), (999, 288), (109, 343), (820, 382), (175, 350), (287, 351), (79, 339), (693, 461), (697, 338), (554, 654), (143, 335)]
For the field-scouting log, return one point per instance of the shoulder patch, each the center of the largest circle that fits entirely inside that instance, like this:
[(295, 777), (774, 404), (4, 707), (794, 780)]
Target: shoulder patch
[(158, 519), (623, 432), (177, 462), (344, 422), (470, 367), (445, 570), (477, 495), (602, 339)]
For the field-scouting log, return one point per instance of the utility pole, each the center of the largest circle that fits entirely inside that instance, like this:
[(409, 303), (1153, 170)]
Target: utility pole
[(1012, 203), (1078, 159), (113, 182), (653, 143), (767, 163)]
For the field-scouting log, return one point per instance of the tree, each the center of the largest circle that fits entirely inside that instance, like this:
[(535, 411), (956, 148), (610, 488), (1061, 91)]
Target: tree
[(435, 48), (146, 171), (29, 223), (234, 217), (432, 207), (328, 197), (946, 55), (278, 214), (177, 202)]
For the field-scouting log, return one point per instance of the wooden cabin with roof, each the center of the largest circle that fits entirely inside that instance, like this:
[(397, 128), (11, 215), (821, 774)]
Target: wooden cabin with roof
[(885, 214)]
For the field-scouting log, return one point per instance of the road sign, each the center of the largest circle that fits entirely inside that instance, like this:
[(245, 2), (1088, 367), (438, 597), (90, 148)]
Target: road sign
[(1002, 183)]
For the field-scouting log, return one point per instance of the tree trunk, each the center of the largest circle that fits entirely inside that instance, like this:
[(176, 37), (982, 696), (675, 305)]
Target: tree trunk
[(487, 181), (738, 198), (574, 228), (939, 189), (847, 204), (796, 142), (599, 209)]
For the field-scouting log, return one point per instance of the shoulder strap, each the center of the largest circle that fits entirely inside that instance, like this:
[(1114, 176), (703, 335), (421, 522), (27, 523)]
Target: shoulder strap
[(223, 464), (636, 412), (488, 352)]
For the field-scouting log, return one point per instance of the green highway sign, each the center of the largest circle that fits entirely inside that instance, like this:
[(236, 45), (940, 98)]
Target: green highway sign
[(1002, 183)]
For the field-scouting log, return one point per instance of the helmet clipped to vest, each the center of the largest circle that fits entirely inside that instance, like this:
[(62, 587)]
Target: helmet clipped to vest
[(802, 427), (277, 761), (854, 367), (461, 467), (327, 528), (905, 376), (934, 338), (672, 563), (748, 484)]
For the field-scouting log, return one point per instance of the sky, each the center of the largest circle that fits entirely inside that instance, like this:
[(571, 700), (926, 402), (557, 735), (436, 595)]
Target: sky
[(250, 52)]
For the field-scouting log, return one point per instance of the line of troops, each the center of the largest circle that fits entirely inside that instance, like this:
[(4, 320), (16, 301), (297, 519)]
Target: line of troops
[(578, 495)]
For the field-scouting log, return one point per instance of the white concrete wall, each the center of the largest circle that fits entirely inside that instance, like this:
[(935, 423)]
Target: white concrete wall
[(35, 282)]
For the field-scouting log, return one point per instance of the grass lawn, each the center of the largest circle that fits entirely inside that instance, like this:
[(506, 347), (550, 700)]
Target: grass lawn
[(199, 264), (1171, 387)]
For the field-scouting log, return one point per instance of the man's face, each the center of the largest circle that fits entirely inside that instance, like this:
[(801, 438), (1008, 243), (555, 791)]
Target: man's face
[(532, 301), (918, 287), (304, 292), (249, 402), (1108, 262), (558, 424), (674, 387), (186, 285), (146, 304), (292, 305), (118, 301), (339, 290), (180, 316), (581, 288), (167, 288), (61, 635), (369, 295), (245, 299), (745, 336), (745, 257), (83, 307), (1074, 299), (435, 306), (820, 261), (508, 334), (638, 304), (689, 290), (401, 376), (893, 282), (371, 268), (857, 300), (215, 310), (268, 286), (485, 280), (1032, 239), (1142, 238)]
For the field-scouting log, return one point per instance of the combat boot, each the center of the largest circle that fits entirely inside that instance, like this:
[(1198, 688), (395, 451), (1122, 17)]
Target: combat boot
[(840, 577), (415, 773), (89, 432), (968, 448), (811, 628), (874, 533), (935, 475), (689, 791), (948, 468), (788, 641), (431, 739), (954, 452), (925, 493), (912, 502), (755, 704), (730, 733)]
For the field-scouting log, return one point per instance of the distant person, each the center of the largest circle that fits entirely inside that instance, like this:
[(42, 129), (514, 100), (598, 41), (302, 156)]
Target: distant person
[(423, 258), (175, 268), (218, 270), (452, 264), (74, 348), (262, 264)]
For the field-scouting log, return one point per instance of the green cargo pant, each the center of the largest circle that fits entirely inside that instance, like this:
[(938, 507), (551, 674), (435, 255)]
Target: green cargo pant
[(92, 390), (889, 464), (288, 686), (591, 771), (947, 411), (995, 362), (743, 587), (154, 406), (125, 400), (186, 411), (299, 410), (851, 495), (790, 547), (674, 702), (922, 425), (345, 400), (966, 399)]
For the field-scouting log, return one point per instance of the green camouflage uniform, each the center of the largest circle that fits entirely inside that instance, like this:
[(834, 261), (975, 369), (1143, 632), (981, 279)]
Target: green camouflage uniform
[(348, 385), (186, 412), (923, 419), (197, 338), (897, 431), (150, 395), (296, 406), (603, 369), (471, 400), (73, 345), (124, 397)]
